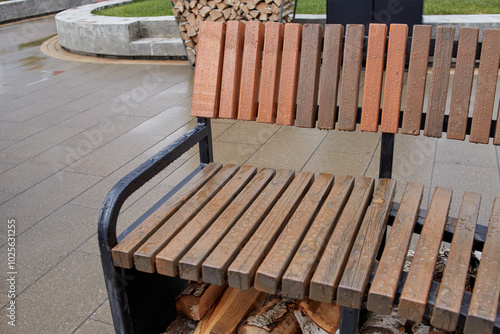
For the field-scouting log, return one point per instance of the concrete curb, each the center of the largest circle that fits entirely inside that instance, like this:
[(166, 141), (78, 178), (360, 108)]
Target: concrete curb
[(22, 9)]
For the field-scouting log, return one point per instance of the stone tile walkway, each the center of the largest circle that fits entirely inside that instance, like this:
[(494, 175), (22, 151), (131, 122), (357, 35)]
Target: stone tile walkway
[(70, 130)]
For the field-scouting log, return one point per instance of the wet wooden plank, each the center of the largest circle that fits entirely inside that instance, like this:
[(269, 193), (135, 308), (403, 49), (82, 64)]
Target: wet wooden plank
[(330, 73), (269, 274), (413, 299), (271, 66), (486, 87), (310, 62), (349, 91), (144, 257), (298, 274), (250, 70), (167, 260), (242, 271), (417, 76), (208, 72), (394, 73), (385, 283), (462, 83), (231, 71), (123, 253), (331, 266), (214, 268), (359, 266), (292, 43), (372, 89), (440, 79), (190, 264), (449, 300), (483, 306)]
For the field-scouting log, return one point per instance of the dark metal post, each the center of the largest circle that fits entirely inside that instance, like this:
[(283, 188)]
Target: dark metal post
[(386, 156), (349, 320), (205, 145)]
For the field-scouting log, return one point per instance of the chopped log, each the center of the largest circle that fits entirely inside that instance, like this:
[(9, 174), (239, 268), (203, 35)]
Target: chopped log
[(181, 325), (211, 4), (227, 13), (325, 315), (306, 324), (197, 298), (254, 13), (276, 317), (204, 11), (387, 324), (214, 14)]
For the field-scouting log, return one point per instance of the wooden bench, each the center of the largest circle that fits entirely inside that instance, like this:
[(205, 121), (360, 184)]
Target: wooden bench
[(316, 235)]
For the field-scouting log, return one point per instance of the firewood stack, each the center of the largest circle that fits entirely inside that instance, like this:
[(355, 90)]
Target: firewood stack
[(189, 14)]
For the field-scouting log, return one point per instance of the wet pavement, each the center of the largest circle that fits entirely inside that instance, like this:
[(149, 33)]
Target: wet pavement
[(69, 130)]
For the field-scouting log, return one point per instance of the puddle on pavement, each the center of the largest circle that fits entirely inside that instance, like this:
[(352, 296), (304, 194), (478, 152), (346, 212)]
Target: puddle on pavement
[(34, 43), (32, 61)]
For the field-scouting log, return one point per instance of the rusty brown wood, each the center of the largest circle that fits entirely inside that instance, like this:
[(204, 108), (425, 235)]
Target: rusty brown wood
[(349, 90), (462, 83), (417, 76), (330, 72), (208, 73), (440, 79), (496, 140)]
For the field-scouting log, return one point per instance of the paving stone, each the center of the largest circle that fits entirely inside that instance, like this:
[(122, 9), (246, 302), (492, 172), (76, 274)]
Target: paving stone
[(91, 326), (103, 313)]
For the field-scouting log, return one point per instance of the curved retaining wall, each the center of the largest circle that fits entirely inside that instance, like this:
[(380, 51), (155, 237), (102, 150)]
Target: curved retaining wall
[(81, 31), (20, 9)]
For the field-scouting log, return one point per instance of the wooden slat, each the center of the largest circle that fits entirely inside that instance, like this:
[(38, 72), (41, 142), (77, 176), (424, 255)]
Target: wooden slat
[(287, 97), (269, 274), (349, 91), (331, 266), (271, 66), (330, 72), (208, 72), (394, 73), (144, 257), (242, 271), (417, 76), (360, 263), (413, 299), (167, 260), (496, 140), (439, 85), (462, 83), (372, 89), (190, 264), (486, 87), (385, 283), (214, 268), (123, 253), (299, 272), (449, 300), (483, 306), (231, 71), (250, 71), (310, 62)]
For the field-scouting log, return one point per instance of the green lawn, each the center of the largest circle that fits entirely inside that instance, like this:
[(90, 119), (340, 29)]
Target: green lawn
[(431, 7)]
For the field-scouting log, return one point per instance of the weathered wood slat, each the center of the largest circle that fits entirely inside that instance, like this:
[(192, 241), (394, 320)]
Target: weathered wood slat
[(208, 72), (271, 66), (359, 266), (269, 274), (310, 62), (413, 299), (250, 71), (190, 264), (167, 260), (483, 306), (231, 72), (462, 83), (374, 72), (394, 73), (486, 87), (296, 278), (330, 73), (440, 79), (385, 283), (349, 91), (496, 140), (417, 76), (449, 300), (287, 98), (123, 253), (144, 257), (215, 267), (242, 271), (331, 266)]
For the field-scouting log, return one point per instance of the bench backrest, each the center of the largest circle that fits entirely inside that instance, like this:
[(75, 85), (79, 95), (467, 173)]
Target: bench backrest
[(290, 75)]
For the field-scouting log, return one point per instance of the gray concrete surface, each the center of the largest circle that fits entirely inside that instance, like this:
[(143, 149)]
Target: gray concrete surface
[(70, 130), (18, 9)]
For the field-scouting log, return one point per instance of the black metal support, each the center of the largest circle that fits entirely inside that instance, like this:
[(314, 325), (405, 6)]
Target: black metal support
[(386, 155), (205, 145), (349, 320)]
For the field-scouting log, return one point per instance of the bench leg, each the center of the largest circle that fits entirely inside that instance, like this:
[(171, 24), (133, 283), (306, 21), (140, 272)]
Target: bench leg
[(349, 320)]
